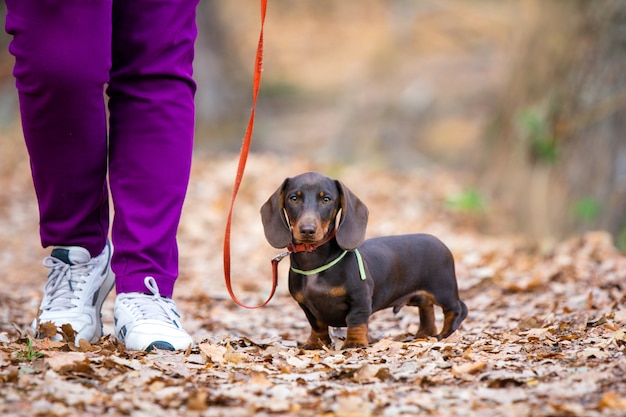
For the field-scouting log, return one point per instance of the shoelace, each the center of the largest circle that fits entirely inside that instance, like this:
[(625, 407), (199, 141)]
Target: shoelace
[(63, 283), (153, 307)]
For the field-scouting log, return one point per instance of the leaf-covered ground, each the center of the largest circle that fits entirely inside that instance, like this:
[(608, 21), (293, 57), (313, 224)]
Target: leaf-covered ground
[(545, 334)]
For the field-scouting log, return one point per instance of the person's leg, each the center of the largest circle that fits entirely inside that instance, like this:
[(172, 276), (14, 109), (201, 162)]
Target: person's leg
[(151, 107), (62, 58)]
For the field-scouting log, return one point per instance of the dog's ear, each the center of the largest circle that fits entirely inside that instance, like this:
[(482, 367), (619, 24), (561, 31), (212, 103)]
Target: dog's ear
[(275, 225), (351, 229)]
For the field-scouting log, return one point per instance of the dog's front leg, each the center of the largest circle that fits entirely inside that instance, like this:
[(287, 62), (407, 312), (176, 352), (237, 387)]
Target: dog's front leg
[(357, 334), (317, 339), (319, 336), (356, 337)]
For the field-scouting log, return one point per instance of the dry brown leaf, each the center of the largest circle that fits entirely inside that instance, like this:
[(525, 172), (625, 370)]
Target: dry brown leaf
[(463, 370), (537, 334), (48, 329), (612, 401), (596, 353), (214, 352), (620, 316), (63, 361), (133, 364), (235, 357), (366, 373), (68, 333), (351, 405), (299, 362), (157, 385), (198, 400), (260, 379), (620, 338)]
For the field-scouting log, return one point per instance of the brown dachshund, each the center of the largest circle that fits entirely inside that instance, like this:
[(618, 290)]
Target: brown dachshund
[(339, 279)]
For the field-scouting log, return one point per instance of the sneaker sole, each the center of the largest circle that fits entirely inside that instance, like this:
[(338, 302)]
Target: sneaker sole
[(159, 345)]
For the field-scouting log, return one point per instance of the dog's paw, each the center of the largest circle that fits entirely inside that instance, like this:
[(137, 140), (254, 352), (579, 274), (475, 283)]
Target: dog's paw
[(315, 344), (353, 344), (356, 337), (312, 346)]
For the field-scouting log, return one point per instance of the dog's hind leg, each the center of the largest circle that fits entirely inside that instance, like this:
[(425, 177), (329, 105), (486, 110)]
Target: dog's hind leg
[(452, 319), (425, 302)]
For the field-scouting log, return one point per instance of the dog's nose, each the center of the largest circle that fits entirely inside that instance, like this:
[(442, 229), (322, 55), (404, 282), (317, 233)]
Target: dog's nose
[(307, 230)]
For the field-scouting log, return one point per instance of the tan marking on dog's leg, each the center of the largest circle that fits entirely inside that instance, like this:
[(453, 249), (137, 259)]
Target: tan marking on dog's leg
[(425, 302), (356, 337), (318, 338), (428, 327), (448, 319)]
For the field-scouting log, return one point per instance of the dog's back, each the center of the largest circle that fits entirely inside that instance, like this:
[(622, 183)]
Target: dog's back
[(422, 260)]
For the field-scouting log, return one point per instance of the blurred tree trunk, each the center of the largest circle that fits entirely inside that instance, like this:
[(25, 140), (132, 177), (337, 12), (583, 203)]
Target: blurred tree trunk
[(8, 93), (556, 160), (223, 97), (6, 60)]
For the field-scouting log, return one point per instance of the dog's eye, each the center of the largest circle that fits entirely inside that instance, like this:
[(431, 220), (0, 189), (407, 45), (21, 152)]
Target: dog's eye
[(293, 198), (326, 199)]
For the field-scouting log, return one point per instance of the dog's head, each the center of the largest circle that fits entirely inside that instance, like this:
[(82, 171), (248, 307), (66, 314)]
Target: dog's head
[(304, 209)]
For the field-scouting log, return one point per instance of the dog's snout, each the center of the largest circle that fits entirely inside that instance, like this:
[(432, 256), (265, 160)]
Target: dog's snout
[(308, 230)]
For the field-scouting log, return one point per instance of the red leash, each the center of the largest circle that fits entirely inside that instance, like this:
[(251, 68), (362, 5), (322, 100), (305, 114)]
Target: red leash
[(243, 157)]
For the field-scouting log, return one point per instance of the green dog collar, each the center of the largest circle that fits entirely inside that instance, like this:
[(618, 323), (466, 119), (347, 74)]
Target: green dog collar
[(334, 262)]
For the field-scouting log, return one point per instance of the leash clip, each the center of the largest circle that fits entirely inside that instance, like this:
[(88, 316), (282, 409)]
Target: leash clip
[(280, 256)]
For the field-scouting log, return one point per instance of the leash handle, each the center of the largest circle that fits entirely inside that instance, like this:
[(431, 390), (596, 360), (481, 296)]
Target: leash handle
[(243, 157)]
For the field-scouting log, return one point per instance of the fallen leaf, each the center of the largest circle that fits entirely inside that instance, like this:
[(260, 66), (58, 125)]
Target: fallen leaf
[(462, 371), (213, 351), (68, 333), (235, 357), (63, 361), (349, 405), (366, 373), (299, 363), (596, 353), (620, 338), (612, 401), (260, 379), (47, 329), (620, 316), (198, 400)]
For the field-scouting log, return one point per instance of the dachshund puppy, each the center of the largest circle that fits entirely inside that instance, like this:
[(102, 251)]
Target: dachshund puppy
[(339, 279)]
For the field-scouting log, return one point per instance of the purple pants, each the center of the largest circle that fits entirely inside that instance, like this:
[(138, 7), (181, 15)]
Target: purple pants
[(66, 52)]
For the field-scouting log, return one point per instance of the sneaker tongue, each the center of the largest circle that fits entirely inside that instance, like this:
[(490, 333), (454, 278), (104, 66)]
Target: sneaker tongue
[(71, 255)]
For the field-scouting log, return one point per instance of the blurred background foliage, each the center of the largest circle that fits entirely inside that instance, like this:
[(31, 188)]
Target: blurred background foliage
[(525, 100)]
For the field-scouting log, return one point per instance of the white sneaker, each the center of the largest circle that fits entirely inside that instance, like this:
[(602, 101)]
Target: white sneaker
[(76, 289), (145, 322)]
